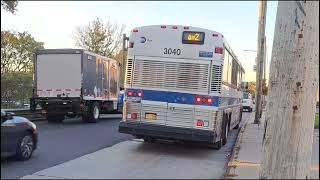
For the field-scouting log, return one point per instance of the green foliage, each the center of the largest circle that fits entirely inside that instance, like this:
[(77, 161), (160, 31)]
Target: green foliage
[(17, 51), (252, 88), (17, 67), (10, 5), (104, 39), (120, 57), (15, 87)]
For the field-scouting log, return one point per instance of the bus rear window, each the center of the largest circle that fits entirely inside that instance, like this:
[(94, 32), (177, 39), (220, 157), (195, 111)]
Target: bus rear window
[(192, 37)]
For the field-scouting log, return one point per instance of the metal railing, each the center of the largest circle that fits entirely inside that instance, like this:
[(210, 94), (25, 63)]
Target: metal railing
[(32, 116)]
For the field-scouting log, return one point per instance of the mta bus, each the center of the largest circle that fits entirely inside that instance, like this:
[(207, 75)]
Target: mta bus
[(182, 83)]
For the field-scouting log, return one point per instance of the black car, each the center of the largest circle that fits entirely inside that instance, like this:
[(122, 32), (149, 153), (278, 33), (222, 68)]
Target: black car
[(18, 136)]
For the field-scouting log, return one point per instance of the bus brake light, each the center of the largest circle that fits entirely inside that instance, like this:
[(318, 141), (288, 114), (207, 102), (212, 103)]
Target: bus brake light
[(129, 93), (185, 27), (134, 116), (139, 94), (135, 30), (215, 35), (163, 27), (198, 99), (218, 50), (199, 123), (174, 27)]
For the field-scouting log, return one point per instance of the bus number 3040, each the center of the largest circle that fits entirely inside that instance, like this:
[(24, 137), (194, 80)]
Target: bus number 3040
[(172, 51)]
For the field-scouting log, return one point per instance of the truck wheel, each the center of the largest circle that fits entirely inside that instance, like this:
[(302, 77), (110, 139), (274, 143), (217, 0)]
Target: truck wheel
[(93, 113)]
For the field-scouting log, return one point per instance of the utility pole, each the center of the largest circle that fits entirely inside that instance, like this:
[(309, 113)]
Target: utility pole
[(293, 83), (264, 57), (124, 61), (260, 54)]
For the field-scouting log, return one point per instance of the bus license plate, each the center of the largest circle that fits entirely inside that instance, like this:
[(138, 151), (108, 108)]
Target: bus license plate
[(134, 99), (151, 116)]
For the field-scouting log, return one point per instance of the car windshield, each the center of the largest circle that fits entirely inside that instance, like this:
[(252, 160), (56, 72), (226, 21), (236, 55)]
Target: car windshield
[(245, 95)]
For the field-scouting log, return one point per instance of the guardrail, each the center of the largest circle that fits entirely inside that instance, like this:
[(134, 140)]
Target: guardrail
[(37, 115), (32, 116)]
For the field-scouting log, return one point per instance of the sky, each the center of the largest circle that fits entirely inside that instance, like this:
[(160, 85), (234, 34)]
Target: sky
[(54, 22)]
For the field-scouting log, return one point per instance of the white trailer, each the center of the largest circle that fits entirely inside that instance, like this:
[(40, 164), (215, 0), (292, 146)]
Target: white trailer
[(74, 82)]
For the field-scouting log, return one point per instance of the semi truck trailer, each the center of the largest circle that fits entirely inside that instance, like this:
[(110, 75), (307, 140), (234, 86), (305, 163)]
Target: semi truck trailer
[(74, 83)]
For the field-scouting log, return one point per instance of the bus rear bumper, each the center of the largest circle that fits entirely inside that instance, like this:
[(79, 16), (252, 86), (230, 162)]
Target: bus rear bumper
[(166, 132)]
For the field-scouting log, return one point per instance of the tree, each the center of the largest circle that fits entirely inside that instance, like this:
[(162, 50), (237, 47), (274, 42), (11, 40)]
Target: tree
[(120, 57), (17, 51), (264, 87), (10, 5), (104, 39), (293, 83), (252, 88)]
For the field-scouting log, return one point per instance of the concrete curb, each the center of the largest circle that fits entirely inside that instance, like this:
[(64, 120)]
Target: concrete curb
[(235, 151)]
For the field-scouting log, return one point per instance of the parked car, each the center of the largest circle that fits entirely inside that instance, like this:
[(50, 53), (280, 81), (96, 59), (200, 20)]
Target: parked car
[(247, 102), (19, 136)]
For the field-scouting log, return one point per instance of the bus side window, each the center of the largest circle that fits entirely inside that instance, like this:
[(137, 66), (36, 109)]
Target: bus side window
[(225, 66)]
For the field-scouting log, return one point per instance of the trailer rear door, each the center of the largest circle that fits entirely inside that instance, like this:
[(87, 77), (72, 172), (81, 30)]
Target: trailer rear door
[(58, 75)]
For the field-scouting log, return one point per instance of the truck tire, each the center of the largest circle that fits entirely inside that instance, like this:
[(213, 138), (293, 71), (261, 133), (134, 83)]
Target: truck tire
[(93, 113)]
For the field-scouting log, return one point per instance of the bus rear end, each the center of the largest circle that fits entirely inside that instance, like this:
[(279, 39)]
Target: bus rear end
[(173, 79)]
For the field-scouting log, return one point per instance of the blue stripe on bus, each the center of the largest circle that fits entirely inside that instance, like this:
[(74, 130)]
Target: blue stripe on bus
[(175, 97)]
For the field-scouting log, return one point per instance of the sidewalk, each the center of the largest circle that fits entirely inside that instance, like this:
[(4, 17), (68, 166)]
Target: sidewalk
[(247, 154)]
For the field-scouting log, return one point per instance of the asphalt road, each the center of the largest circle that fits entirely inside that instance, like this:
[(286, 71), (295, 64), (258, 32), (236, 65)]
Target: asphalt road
[(59, 143)]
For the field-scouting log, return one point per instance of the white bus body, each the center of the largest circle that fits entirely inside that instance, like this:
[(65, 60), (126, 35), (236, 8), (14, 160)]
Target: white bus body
[(174, 85)]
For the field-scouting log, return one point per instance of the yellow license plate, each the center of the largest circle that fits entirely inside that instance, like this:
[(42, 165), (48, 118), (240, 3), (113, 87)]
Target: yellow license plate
[(151, 116)]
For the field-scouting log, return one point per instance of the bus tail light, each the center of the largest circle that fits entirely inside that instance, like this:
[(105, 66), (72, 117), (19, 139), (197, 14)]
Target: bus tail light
[(199, 123), (129, 93), (185, 27), (135, 30), (174, 27), (209, 100), (203, 100), (218, 50), (131, 44), (134, 116), (139, 94), (163, 27), (215, 35)]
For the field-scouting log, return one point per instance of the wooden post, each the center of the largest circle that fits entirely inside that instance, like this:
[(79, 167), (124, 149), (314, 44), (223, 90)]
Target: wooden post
[(293, 82), (260, 57)]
